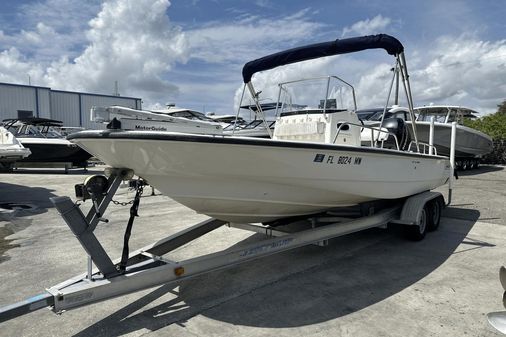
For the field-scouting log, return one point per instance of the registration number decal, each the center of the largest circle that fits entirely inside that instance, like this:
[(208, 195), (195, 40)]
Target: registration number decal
[(338, 160)]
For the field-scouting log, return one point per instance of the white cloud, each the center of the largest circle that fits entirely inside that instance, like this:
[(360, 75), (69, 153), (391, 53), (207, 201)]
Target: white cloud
[(263, 3), (368, 26), (237, 41), (51, 28), (123, 46), (455, 70), (132, 42), (91, 45), (464, 71), (13, 68)]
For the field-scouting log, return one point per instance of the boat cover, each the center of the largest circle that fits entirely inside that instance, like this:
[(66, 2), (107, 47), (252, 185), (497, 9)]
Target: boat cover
[(339, 46)]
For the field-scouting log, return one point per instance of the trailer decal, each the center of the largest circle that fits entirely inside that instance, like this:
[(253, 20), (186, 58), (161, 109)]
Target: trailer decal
[(265, 247)]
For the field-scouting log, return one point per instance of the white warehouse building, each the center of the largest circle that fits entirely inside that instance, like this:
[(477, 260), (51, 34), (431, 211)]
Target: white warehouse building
[(70, 107)]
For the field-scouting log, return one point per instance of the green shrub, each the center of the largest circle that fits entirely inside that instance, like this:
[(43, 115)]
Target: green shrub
[(493, 125)]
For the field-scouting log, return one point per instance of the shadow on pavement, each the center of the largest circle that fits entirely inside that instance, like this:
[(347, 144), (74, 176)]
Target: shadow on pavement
[(17, 204), (24, 200), (301, 287), (482, 169)]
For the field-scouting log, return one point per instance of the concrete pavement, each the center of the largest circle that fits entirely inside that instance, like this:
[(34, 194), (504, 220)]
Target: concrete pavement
[(372, 283)]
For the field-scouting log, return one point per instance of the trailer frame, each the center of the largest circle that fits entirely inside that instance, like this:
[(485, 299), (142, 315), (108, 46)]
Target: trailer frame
[(148, 267)]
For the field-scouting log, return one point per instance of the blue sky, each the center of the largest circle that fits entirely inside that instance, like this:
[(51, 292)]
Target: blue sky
[(191, 52)]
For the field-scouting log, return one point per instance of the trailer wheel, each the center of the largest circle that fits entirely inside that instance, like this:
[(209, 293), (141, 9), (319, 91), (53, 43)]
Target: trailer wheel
[(6, 167), (458, 165), (417, 231), (433, 214)]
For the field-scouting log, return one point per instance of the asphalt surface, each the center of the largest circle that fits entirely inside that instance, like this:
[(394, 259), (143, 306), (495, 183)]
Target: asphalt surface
[(371, 283)]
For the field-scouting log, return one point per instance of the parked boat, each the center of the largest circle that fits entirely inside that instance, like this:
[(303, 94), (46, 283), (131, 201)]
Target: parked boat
[(175, 111), (118, 117), (313, 162), (227, 119), (470, 144), (255, 126), (11, 150), (45, 143)]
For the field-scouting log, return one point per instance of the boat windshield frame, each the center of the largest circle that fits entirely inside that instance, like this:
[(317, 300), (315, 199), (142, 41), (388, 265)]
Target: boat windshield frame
[(452, 114), (33, 127), (280, 105), (37, 131)]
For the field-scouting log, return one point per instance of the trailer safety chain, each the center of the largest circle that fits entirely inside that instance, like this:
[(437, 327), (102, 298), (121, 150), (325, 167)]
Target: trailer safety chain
[(139, 187), (125, 203), (122, 203)]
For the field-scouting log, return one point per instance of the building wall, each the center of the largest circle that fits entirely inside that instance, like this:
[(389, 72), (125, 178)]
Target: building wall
[(44, 102), (65, 108), (72, 108), (16, 97)]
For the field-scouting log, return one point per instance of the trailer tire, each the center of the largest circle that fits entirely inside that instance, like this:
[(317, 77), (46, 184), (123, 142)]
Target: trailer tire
[(434, 208), (458, 165), (6, 167), (417, 231)]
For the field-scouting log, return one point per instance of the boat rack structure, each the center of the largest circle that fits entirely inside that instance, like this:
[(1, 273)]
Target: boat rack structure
[(66, 166), (148, 267)]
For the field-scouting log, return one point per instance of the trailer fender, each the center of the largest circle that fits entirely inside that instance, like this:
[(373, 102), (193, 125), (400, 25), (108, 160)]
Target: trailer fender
[(414, 205)]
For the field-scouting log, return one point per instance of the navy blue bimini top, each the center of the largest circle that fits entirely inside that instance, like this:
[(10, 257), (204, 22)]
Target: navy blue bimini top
[(312, 51)]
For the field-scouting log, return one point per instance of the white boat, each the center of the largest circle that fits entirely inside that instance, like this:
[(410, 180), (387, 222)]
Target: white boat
[(313, 163), (118, 117), (11, 150), (255, 126), (45, 143)]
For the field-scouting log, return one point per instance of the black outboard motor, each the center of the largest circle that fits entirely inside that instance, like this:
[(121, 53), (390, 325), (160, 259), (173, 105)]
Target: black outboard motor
[(398, 127)]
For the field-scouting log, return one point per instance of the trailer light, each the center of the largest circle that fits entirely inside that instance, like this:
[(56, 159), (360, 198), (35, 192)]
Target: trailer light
[(179, 271)]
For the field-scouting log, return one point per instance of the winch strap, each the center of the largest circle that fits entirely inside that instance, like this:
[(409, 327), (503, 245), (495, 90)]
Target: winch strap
[(133, 213)]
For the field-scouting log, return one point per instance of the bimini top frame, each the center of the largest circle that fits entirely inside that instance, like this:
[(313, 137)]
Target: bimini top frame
[(340, 46), (317, 50)]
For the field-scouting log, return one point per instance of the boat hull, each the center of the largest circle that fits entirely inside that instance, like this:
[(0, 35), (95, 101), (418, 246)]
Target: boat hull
[(48, 150), (469, 143), (10, 148), (241, 179)]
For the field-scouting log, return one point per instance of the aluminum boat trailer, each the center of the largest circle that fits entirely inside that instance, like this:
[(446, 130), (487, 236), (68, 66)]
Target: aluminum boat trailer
[(147, 267)]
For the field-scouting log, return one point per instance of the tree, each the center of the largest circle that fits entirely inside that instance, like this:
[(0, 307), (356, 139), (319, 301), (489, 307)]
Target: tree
[(493, 125), (502, 108)]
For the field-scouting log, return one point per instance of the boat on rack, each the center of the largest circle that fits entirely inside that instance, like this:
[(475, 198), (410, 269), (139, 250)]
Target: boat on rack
[(175, 111), (470, 146), (118, 117), (11, 150), (45, 143), (314, 161)]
